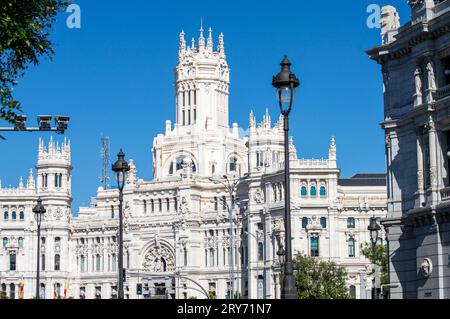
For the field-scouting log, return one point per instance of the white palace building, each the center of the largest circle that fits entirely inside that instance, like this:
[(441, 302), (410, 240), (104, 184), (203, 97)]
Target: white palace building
[(176, 225)]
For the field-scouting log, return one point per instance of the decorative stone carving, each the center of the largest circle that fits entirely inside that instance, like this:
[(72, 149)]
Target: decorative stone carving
[(416, 4), (431, 76), (426, 267), (258, 196), (418, 83), (159, 259)]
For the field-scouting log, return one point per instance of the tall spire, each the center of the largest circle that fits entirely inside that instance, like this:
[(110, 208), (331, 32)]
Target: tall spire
[(30, 181), (21, 183), (221, 45), (201, 39), (210, 40), (182, 47), (332, 151)]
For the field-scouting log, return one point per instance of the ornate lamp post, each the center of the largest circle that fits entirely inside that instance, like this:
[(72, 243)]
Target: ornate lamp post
[(120, 168), (285, 83), (374, 230), (38, 211), (230, 186)]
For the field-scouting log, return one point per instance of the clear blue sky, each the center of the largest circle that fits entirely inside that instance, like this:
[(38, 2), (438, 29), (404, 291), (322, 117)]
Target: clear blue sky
[(115, 76)]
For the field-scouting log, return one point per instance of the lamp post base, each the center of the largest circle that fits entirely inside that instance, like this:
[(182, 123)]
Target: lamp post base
[(288, 290)]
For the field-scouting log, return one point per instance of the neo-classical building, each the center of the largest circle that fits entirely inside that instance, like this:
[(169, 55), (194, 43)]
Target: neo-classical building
[(415, 61), (177, 224)]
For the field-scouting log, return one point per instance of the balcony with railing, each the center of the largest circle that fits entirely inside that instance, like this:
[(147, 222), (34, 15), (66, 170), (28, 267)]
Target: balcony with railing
[(442, 92), (445, 194)]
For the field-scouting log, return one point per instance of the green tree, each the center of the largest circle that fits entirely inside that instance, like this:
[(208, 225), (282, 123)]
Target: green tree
[(319, 279), (212, 295), (3, 295), (380, 258), (25, 28)]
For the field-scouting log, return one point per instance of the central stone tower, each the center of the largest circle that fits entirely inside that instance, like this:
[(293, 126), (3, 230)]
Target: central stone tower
[(202, 79)]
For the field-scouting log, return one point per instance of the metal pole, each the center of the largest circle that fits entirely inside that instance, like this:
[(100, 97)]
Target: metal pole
[(375, 273), (38, 258), (230, 213), (288, 291), (120, 285)]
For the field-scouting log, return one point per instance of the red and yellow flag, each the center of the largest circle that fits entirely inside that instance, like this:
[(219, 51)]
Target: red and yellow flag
[(65, 290), (21, 284), (55, 294)]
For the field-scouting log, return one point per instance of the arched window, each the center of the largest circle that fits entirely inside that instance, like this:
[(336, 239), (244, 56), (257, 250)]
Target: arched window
[(211, 257), (13, 216), (21, 215), (6, 216), (58, 290), (175, 203), (82, 261), (167, 204), (171, 169), (313, 191), (12, 291), (280, 189), (352, 290), (20, 242), (57, 262), (114, 262), (213, 169), (351, 247), (160, 204), (304, 191), (304, 222), (97, 262), (216, 204), (260, 251), (275, 193), (224, 203), (233, 164), (350, 222), (323, 222), (145, 206), (5, 241), (152, 204), (4, 287), (42, 291), (185, 256), (43, 262), (57, 241), (112, 212), (323, 191)]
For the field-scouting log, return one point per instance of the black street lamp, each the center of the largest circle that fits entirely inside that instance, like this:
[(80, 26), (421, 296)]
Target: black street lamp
[(374, 229), (285, 83), (120, 168), (39, 211)]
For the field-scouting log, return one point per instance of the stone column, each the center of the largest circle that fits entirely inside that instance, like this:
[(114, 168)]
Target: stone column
[(420, 198), (433, 160)]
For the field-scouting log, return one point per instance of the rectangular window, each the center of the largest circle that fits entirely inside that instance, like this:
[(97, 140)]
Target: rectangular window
[(195, 115), (183, 116), (351, 247), (42, 262), (184, 98), (314, 246), (189, 117), (12, 261), (195, 97), (189, 97)]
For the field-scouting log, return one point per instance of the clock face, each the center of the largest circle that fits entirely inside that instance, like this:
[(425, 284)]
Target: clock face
[(188, 71)]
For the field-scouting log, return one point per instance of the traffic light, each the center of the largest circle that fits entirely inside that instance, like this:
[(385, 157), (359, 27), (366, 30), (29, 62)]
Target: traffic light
[(124, 274), (139, 289)]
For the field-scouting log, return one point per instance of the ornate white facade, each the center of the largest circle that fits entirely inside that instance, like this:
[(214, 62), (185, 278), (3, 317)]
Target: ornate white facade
[(177, 223)]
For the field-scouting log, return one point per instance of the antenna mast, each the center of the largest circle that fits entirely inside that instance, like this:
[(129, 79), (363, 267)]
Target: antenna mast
[(104, 153)]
